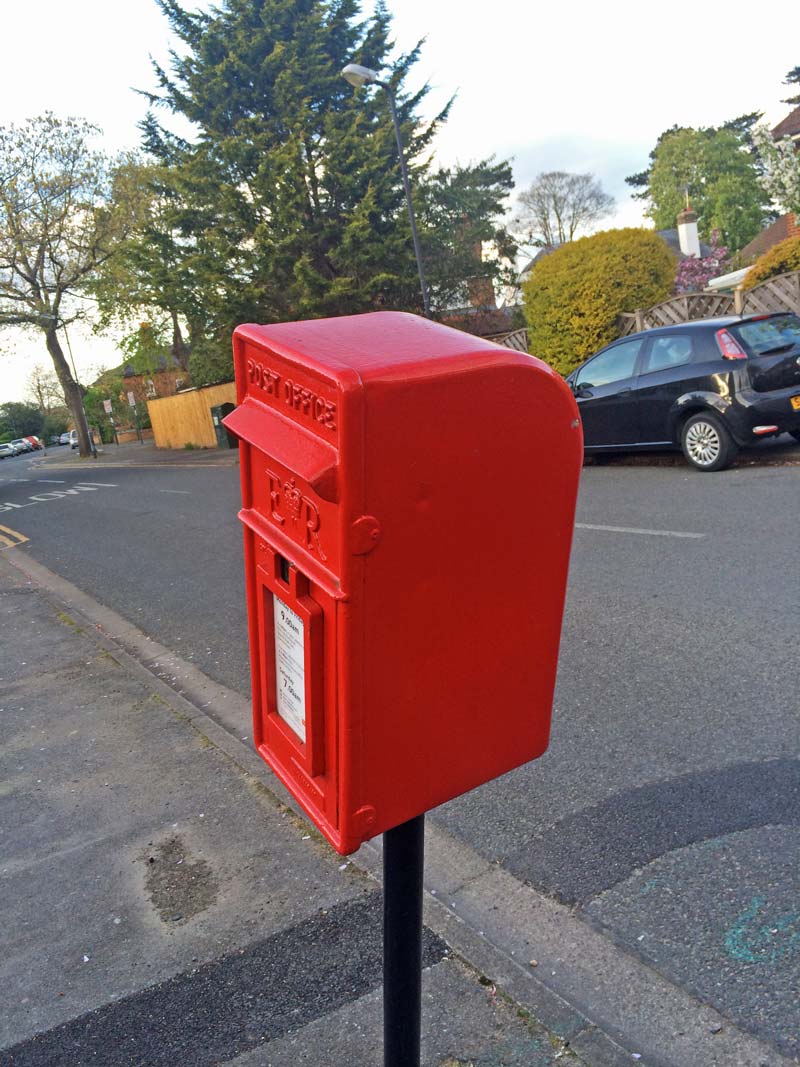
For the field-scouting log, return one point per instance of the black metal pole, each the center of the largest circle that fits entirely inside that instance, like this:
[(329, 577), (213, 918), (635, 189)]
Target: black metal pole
[(407, 186), (403, 860)]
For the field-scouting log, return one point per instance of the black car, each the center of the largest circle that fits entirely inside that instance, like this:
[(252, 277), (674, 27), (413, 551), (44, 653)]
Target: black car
[(708, 386)]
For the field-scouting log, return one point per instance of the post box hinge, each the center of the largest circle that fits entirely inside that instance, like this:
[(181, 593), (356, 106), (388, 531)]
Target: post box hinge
[(364, 535)]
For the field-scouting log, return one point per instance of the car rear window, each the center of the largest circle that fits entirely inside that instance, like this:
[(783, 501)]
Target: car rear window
[(774, 334)]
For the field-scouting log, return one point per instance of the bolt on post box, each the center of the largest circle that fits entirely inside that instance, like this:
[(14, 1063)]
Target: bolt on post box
[(408, 499)]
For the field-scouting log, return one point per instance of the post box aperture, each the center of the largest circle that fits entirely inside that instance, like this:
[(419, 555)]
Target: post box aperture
[(408, 497)]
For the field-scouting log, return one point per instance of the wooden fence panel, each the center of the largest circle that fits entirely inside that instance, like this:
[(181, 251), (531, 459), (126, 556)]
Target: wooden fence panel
[(517, 339), (781, 293), (185, 419)]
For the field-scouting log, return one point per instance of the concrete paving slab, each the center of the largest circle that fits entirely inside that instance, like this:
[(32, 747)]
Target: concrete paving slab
[(485, 1030)]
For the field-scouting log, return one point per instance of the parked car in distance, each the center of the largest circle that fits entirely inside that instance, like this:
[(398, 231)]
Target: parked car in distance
[(7, 450), (35, 442), (22, 444), (64, 438), (707, 386), (73, 438)]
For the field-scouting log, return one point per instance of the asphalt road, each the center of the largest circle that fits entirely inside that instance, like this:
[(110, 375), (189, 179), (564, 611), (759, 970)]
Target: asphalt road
[(667, 809)]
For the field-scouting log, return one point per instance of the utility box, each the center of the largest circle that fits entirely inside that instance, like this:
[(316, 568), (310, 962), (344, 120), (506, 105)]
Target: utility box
[(225, 439), (408, 498)]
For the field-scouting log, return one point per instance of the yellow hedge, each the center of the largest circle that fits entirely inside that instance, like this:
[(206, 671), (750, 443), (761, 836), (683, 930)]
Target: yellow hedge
[(575, 294), (780, 259)]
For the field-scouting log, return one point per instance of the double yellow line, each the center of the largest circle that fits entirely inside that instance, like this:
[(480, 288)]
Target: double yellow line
[(10, 538)]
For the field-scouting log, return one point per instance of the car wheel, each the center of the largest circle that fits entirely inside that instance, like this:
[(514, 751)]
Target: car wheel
[(706, 442)]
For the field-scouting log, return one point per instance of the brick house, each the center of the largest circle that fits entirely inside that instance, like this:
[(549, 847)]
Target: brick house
[(165, 380)]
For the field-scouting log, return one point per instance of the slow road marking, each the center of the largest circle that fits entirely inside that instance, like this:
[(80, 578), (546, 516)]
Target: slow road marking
[(9, 538), (637, 530), (57, 494)]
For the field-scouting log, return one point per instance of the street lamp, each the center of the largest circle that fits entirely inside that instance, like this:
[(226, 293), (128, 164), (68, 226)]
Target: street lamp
[(359, 76)]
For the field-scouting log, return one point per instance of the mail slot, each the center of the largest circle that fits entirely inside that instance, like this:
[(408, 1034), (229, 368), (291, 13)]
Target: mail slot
[(408, 498)]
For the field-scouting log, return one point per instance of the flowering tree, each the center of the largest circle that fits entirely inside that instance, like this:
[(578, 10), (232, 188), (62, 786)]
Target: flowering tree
[(781, 163), (694, 274)]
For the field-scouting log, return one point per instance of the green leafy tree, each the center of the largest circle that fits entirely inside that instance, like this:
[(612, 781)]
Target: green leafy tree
[(718, 172), (18, 419), (575, 295), (57, 227), (288, 201)]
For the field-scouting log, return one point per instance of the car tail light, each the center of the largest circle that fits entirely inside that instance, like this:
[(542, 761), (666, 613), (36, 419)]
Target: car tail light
[(729, 346)]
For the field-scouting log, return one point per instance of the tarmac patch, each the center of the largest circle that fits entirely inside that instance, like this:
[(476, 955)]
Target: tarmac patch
[(241, 1001), (178, 885)]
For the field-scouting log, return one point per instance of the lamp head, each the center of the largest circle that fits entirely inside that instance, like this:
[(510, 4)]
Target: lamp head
[(360, 76)]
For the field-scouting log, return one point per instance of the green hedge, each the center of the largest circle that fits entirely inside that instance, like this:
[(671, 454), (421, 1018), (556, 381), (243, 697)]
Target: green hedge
[(574, 295), (782, 258)]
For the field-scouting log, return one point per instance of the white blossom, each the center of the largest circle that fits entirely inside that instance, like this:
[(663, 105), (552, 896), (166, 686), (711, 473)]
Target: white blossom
[(781, 177)]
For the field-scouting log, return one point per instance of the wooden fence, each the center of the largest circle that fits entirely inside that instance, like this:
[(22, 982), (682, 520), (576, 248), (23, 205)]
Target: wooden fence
[(781, 293), (185, 419), (516, 339)]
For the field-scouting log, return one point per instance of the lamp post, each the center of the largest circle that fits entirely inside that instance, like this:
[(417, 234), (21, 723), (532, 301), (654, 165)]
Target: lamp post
[(359, 76)]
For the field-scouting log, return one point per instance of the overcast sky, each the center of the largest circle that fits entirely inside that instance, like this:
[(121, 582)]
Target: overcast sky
[(570, 85)]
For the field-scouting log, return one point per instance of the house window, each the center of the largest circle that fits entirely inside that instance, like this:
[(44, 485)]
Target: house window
[(150, 388)]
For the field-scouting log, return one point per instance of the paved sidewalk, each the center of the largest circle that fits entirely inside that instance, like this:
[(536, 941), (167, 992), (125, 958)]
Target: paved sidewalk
[(161, 905), (135, 453)]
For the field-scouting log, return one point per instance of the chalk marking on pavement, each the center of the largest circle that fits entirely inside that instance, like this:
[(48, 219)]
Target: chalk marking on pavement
[(183, 492), (9, 538), (637, 530)]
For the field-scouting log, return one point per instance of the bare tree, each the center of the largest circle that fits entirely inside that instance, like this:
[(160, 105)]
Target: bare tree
[(56, 228), (558, 206), (44, 389)]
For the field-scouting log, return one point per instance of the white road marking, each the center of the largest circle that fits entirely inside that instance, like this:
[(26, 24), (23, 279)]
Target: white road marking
[(184, 492), (51, 481), (57, 494), (637, 530)]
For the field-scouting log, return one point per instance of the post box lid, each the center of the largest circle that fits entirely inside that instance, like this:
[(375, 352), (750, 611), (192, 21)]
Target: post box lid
[(381, 345), (290, 444)]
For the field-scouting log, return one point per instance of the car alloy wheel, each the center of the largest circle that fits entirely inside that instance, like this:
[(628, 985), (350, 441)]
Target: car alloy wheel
[(703, 443), (706, 442)]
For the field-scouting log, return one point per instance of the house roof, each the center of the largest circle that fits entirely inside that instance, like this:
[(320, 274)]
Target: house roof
[(526, 270), (671, 238), (785, 226), (788, 127)]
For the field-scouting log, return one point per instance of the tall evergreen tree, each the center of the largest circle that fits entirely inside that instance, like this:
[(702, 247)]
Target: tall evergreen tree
[(792, 79), (288, 201)]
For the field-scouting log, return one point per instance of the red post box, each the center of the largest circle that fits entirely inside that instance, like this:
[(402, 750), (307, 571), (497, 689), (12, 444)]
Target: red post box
[(408, 505)]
